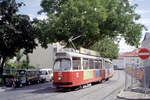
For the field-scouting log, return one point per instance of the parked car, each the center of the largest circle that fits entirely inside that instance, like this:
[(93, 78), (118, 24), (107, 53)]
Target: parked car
[(46, 75), (19, 78), (33, 76)]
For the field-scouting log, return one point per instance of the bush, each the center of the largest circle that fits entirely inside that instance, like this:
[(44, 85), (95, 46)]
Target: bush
[(1, 80)]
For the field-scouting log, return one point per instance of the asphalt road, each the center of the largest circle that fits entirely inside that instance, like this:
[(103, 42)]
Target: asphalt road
[(107, 90)]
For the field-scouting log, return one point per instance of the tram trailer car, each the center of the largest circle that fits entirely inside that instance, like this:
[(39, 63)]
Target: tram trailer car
[(73, 69)]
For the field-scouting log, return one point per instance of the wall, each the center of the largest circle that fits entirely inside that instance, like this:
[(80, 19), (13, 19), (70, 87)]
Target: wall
[(132, 60), (118, 62)]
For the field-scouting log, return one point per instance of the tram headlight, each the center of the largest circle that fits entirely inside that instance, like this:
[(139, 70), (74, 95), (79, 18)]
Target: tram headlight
[(59, 78)]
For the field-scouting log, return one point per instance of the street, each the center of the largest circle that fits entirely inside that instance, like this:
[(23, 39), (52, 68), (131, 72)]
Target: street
[(107, 90)]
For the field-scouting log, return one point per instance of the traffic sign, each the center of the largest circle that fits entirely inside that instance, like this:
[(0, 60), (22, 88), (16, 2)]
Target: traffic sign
[(143, 53)]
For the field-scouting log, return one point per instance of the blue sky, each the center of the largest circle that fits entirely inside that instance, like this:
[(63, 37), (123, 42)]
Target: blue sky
[(144, 10), (33, 6)]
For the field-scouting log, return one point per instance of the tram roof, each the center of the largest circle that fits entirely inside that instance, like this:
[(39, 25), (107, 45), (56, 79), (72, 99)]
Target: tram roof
[(76, 54)]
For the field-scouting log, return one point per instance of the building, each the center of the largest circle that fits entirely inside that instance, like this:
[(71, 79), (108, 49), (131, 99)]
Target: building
[(119, 63), (128, 58), (146, 44), (132, 58), (43, 57)]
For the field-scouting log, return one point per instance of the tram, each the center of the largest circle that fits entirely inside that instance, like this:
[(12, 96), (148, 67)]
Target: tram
[(73, 69)]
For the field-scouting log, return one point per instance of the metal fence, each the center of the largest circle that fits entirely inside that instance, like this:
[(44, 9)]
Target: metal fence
[(137, 78)]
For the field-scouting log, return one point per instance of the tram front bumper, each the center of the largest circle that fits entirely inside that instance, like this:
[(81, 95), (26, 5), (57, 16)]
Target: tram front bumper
[(62, 84)]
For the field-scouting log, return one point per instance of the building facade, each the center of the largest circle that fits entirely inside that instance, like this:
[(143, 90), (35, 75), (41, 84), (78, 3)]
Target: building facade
[(146, 44), (128, 59), (43, 57)]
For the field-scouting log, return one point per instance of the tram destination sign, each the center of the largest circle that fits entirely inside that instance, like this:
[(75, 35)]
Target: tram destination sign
[(89, 52), (143, 53)]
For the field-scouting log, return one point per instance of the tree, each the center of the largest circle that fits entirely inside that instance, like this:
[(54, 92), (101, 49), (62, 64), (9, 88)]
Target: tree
[(93, 20), (19, 55), (16, 31), (107, 48)]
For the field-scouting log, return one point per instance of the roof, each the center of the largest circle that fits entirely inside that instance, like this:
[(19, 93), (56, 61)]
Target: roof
[(147, 36), (133, 53)]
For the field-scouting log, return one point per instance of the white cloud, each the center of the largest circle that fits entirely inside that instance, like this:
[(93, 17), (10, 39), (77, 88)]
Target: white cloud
[(31, 16), (124, 47), (130, 1), (42, 17), (144, 20), (143, 11)]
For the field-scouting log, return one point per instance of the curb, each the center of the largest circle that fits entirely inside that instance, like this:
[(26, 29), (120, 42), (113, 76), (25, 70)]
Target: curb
[(129, 95), (2, 89)]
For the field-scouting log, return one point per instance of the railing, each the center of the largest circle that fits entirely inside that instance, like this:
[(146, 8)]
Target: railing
[(137, 78)]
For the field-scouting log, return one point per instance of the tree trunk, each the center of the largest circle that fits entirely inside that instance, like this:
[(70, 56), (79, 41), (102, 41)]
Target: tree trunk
[(2, 61)]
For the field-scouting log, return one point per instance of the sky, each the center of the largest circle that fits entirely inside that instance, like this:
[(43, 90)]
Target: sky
[(33, 6)]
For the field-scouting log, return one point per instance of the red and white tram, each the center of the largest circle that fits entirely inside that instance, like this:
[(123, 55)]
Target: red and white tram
[(72, 69)]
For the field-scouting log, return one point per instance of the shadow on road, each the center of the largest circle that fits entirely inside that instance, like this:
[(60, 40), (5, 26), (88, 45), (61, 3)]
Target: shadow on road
[(30, 87)]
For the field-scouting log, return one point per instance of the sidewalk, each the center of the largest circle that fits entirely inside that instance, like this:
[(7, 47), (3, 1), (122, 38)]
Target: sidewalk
[(3, 88), (133, 95)]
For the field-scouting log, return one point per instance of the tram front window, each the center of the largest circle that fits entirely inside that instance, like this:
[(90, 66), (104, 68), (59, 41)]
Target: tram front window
[(62, 65)]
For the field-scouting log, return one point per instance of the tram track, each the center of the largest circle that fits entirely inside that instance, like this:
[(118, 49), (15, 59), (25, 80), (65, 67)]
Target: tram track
[(107, 97), (61, 91), (102, 87), (78, 95)]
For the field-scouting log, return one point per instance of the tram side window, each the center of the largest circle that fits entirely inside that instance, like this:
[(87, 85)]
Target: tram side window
[(109, 65), (76, 63), (91, 64), (85, 64), (106, 64), (98, 64)]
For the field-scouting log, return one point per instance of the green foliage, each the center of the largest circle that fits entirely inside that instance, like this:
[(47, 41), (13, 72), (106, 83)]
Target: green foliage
[(23, 65), (9, 65), (73, 18), (1, 81), (16, 31), (20, 65), (19, 55), (92, 19), (107, 48)]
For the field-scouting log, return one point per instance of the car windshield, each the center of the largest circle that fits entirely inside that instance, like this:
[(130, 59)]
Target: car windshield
[(43, 72), (62, 65)]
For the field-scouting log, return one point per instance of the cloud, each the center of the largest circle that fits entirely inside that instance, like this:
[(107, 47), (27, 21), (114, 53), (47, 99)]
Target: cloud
[(130, 1), (144, 21), (42, 17), (147, 11), (123, 47), (31, 16)]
